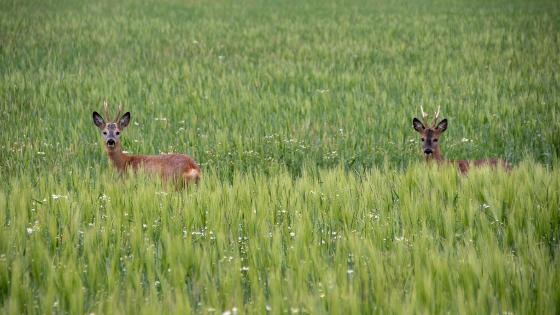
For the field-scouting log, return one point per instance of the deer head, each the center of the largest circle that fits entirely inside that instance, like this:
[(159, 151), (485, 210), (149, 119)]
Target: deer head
[(430, 133), (111, 130)]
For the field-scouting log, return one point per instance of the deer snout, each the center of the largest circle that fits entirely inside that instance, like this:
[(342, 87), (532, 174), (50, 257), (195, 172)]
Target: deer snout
[(428, 151), (111, 142)]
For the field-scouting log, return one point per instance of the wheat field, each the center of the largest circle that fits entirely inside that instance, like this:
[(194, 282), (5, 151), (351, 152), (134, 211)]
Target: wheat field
[(314, 198)]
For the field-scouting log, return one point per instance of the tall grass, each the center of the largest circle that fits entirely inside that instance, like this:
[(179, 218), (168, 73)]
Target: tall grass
[(426, 240), (314, 198)]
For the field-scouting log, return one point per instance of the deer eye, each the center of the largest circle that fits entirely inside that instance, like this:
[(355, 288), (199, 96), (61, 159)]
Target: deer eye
[(423, 139), (435, 140), (104, 132), (118, 133)]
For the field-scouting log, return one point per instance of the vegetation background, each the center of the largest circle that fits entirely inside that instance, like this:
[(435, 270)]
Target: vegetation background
[(314, 198)]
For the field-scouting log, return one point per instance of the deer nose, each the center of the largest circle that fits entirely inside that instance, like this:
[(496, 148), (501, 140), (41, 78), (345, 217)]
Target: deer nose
[(111, 142), (428, 151)]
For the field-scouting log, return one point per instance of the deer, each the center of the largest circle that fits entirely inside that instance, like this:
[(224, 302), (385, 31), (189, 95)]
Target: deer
[(430, 135), (179, 168)]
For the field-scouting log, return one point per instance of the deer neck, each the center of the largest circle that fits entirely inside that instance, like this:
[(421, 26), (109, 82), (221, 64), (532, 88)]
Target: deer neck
[(117, 157), (435, 156)]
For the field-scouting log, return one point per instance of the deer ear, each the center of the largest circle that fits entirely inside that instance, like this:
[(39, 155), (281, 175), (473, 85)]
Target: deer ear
[(125, 119), (417, 124), (442, 126), (98, 120)]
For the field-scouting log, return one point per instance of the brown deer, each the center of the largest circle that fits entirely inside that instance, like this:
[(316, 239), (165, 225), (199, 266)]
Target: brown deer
[(179, 168), (431, 133)]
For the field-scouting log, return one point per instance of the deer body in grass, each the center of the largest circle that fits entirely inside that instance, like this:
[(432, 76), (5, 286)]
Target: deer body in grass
[(430, 136), (179, 168)]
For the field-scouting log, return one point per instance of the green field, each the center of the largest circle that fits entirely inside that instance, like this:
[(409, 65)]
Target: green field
[(314, 197)]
